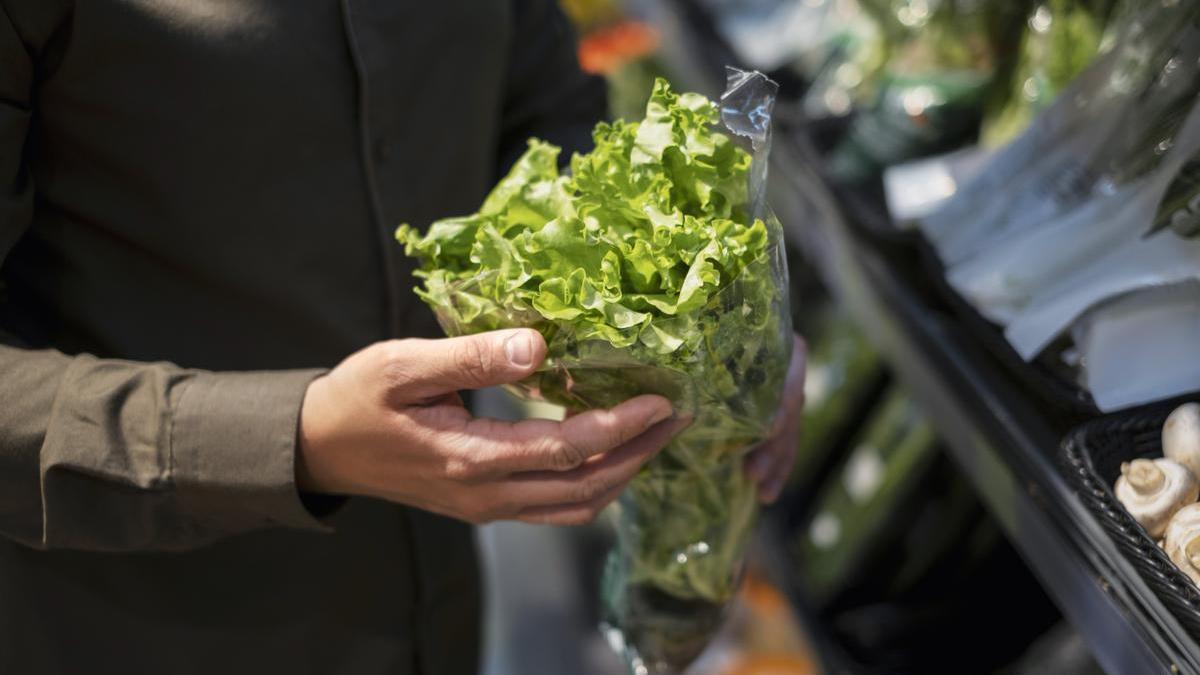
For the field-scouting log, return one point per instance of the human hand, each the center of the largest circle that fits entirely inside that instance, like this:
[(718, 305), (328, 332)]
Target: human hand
[(771, 463), (388, 423)]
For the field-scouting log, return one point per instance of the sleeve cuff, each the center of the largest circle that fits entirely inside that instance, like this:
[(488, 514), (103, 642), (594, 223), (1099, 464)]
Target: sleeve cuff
[(233, 450)]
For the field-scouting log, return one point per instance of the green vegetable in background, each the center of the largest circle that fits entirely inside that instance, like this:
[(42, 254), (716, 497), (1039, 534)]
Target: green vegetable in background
[(940, 62), (1061, 38), (646, 272)]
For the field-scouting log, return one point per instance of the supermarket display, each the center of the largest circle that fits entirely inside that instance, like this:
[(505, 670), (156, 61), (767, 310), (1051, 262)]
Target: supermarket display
[(1112, 125), (941, 60), (655, 267), (1156, 491), (889, 556), (1056, 235), (893, 446), (1047, 155), (1158, 536), (1060, 39)]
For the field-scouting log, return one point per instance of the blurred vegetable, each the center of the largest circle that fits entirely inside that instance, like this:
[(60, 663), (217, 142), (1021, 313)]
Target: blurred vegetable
[(605, 50), (1060, 40), (940, 58)]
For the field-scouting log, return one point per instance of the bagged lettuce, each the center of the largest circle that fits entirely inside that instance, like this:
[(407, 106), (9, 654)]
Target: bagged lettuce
[(654, 267)]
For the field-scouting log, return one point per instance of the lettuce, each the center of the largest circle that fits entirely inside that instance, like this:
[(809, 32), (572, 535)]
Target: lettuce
[(650, 226), (646, 272)]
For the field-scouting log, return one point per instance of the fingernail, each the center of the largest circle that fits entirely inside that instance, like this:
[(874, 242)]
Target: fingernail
[(519, 349), (663, 413)]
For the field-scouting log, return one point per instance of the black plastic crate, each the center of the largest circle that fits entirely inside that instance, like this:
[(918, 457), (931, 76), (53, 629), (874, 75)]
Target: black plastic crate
[(1092, 457)]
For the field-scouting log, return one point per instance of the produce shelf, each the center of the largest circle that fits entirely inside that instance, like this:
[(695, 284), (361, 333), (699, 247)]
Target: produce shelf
[(1006, 447), (1004, 442)]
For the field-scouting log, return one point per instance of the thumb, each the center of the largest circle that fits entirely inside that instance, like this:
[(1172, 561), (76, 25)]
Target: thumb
[(438, 367)]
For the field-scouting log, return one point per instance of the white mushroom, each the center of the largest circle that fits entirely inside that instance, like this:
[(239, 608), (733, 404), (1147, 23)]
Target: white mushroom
[(1181, 437), (1152, 490), (1182, 542)]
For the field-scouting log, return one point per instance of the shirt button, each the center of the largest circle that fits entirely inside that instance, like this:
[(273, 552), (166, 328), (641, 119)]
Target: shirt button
[(383, 150)]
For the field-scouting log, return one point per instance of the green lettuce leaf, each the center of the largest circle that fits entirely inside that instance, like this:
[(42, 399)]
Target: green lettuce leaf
[(646, 273)]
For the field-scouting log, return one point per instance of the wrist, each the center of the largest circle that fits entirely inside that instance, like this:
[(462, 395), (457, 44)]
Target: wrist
[(311, 440)]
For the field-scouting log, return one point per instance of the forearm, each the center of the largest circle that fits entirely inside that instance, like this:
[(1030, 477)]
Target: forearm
[(115, 455)]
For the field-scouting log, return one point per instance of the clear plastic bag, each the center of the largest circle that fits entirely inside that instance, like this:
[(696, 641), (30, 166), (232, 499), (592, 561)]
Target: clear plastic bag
[(1112, 125), (1060, 39), (684, 520)]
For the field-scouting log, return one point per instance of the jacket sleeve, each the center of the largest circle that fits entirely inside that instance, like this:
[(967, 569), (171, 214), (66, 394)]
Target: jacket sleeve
[(546, 94), (114, 455)]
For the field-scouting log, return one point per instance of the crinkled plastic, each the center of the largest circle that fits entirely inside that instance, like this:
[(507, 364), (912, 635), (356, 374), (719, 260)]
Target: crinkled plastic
[(1112, 125), (1060, 39), (684, 520)]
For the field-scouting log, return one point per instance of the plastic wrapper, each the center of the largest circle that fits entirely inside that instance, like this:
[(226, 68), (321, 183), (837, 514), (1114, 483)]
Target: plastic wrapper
[(1111, 126), (1128, 365), (1061, 38), (1038, 280), (721, 360)]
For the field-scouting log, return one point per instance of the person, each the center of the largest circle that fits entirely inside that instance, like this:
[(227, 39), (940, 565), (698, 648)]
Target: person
[(196, 206)]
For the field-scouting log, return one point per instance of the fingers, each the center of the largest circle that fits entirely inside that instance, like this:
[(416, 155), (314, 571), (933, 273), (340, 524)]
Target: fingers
[(545, 445), (771, 464), (426, 369), (569, 514), (596, 478), (793, 391)]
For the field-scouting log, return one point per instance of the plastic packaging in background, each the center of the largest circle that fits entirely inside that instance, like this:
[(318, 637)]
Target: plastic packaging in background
[(1060, 39), (1141, 347), (1180, 206), (1039, 280), (1110, 126), (1148, 263), (915, 189)]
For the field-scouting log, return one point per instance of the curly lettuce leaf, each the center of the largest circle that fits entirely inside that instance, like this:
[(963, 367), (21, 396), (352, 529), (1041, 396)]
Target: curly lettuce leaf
[(646, 273), (650, 225)]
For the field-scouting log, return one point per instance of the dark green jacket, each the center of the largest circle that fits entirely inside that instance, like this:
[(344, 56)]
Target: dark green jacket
[(196, 206)]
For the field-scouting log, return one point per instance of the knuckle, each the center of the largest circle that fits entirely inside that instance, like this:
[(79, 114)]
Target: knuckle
[(473, 359), (565, 453), (396, 367), (612, 431), (459, 469), (588, 489)]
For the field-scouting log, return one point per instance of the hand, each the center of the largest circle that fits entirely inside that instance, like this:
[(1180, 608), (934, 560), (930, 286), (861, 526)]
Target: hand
[(770, 465), (388, 423)]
